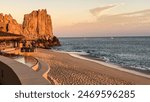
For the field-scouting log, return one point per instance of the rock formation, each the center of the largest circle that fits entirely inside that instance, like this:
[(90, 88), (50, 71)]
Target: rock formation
[(10, 25), (36, 26)]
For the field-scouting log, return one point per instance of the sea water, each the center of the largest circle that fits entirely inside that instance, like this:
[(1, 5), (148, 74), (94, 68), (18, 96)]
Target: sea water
[(128, 52)]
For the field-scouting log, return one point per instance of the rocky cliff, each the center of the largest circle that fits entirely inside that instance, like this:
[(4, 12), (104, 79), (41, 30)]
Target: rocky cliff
[(36, 26), (10, 25)]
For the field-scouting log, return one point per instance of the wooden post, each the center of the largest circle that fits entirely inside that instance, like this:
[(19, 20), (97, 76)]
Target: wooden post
[(14, 45), (17, 43)]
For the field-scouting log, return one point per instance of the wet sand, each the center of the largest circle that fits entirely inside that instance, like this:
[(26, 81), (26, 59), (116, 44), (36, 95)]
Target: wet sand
[(68, 70)]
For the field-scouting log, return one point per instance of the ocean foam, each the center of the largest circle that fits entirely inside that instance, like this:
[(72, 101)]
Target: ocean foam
[(74, 54)]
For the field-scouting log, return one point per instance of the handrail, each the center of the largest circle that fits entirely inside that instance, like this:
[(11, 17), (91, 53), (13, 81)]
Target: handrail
[(36, 65)]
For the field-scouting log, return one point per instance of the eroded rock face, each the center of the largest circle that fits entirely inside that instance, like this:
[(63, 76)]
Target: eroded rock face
[(37, 24), (10, 25)]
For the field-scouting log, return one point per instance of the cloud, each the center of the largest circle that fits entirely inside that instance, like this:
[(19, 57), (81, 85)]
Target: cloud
[(123, 24), (131, 18), (132, 23), (98, 10), (137, 13)]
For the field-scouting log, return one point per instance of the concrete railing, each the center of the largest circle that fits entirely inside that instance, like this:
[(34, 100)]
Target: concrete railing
[(15, 73), (8, 76), (35, 67)]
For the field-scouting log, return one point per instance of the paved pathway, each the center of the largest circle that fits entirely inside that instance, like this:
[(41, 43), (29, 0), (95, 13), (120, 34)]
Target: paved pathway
[(26, 74)]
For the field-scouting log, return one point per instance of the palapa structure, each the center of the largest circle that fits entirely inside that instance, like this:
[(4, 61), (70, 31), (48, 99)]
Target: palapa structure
[(13, 39)]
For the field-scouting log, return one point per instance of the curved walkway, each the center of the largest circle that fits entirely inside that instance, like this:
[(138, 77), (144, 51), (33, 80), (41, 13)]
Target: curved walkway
[(43, 71), (26, 75)]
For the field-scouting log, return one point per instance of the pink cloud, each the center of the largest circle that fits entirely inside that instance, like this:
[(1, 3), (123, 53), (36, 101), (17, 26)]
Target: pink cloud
[(132, 18), (132, 23), (98, 10)]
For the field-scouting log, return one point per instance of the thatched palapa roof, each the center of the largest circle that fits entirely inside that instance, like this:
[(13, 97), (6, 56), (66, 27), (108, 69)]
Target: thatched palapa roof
[(10, 36)]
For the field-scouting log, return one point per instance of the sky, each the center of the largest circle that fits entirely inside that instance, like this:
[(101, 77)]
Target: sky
[(87, 18)]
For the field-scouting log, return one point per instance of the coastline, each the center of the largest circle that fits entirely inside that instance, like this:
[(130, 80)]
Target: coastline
[(85, 56), (132, 71), (67, 69)]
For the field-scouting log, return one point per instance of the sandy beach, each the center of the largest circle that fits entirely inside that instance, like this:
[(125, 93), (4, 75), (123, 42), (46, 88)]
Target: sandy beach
[(68, 70)]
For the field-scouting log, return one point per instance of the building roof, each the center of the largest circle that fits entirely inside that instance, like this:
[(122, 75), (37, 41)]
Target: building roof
[(10, 36)]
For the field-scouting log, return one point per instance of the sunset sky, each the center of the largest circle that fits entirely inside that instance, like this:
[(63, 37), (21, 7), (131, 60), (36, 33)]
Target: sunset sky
[(72, 18)]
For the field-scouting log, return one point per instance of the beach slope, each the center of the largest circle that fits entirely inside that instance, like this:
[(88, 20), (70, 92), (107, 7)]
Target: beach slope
[(68, 70)]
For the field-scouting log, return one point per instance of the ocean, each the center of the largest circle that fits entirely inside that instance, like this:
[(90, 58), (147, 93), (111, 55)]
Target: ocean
[(128, 52)]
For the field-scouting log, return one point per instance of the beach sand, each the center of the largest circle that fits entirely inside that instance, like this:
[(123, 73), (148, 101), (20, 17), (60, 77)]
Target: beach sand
[(68, 70)]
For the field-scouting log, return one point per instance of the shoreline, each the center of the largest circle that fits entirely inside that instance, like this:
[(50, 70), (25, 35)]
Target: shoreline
[(139, 72), (67, 70), (132, 71)]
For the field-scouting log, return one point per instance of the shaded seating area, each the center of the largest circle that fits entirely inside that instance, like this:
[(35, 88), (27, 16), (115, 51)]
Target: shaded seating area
[(25, 49), (9, 41), (28, 46)]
